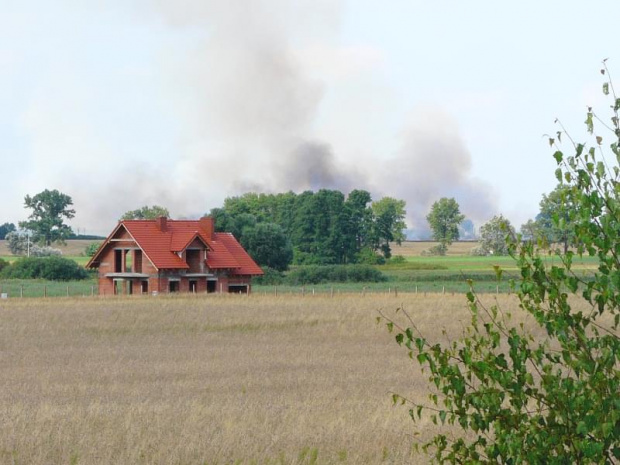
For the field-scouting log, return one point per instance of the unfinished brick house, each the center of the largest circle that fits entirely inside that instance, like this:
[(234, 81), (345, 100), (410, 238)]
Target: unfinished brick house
[(163, 255)]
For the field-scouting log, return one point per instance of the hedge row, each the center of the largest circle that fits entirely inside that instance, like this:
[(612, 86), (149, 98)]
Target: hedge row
[(317, 274)]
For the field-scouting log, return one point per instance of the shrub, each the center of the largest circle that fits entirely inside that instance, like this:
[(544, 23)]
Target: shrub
[(367, 256), (52, 268), (396, 260), (17, 242), (439, 249), (270, 278), (91, 249), (45, 251)]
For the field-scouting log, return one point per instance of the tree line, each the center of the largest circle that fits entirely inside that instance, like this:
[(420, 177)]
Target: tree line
[(313, 228)]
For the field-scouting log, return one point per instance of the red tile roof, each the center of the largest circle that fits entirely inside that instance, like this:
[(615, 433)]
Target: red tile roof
[(247, 265), (162, 245)]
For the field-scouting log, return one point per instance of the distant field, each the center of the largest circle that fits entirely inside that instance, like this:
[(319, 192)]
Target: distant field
[(415, 248), (73, 249), (217, 379)]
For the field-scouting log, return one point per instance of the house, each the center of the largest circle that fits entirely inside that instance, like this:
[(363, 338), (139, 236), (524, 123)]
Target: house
[(164, 255)]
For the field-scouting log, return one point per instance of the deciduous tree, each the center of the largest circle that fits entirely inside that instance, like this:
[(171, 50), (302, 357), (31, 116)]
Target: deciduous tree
[(146, 213), (49, 210), (389, 223), (494, 235), (444, 219)]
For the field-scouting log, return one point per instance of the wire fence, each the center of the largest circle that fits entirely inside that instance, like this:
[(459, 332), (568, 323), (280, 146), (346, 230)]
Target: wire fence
[(10, 289)]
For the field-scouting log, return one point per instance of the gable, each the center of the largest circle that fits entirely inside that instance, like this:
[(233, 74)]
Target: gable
[(163, 242)]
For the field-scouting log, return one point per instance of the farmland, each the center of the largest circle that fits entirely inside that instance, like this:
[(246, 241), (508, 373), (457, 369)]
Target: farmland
[(418, 273), (217, 379)]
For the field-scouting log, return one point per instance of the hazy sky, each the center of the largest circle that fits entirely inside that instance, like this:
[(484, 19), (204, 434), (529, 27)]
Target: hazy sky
[(122, 103)]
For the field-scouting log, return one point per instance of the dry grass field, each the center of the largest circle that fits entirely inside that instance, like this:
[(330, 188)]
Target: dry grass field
[(415, 248), (217, 380)]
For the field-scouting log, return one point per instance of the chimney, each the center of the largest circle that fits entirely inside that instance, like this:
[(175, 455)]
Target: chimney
[(162, 223), (207, 224)]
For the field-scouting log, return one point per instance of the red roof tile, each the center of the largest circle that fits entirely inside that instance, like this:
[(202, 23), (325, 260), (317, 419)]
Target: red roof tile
[(162, 245), (247, 265)]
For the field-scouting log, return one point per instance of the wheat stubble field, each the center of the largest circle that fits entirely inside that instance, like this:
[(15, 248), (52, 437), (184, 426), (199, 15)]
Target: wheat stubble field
[(206, 380)]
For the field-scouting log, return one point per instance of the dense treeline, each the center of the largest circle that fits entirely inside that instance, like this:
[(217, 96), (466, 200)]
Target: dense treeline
[(313, 228)]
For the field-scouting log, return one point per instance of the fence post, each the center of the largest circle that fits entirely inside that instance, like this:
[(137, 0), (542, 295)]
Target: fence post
[(67, 291), (21, 291), (396, 291), (92, 291), (332, 292), (45, 290), (443, 290), (275, 290)]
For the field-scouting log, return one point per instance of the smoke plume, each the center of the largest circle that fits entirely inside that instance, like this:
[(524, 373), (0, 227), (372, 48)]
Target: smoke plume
[(433, 162), (225, 104)]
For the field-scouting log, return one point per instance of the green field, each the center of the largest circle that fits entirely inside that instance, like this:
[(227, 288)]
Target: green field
[(449, 274)]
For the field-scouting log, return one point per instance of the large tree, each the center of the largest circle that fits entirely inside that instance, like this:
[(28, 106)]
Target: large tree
[(554, 220), (493, 235), (389, 223), (146, 213), (49, 210), (444, 219)]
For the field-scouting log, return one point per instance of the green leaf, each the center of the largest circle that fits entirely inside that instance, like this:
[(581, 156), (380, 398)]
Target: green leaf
[(606, 87), (559, 156)]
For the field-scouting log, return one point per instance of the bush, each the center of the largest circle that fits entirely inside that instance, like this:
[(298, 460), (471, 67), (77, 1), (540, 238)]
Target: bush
[(270, 278), (91, 249), (3, 265), (17, 243), (334, 274), (45, 251), (367, 256), (437, 250), (396, 260), (50, 268)]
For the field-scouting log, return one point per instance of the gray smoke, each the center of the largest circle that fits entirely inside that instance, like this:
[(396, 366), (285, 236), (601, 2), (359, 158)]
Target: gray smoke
[(254, 104), (433, 162), (237, 110)]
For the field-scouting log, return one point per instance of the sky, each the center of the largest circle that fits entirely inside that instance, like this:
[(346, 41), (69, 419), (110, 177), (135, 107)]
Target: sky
[(125, 103)]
